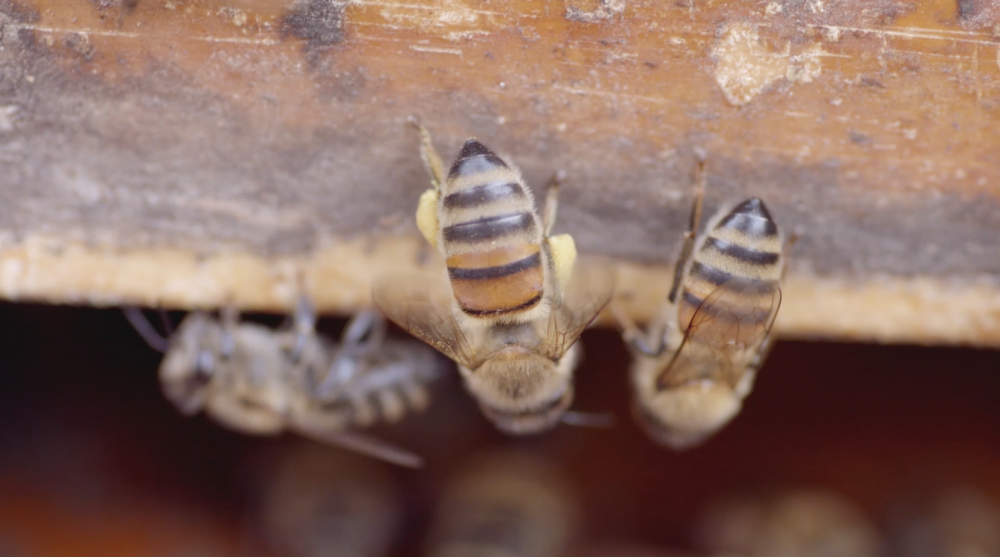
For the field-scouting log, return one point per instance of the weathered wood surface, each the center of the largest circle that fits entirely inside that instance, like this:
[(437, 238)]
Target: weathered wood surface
[(191, 153)]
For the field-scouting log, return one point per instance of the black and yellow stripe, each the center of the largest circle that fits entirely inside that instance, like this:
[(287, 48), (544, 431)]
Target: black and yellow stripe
[(734, 271), (491, 235)]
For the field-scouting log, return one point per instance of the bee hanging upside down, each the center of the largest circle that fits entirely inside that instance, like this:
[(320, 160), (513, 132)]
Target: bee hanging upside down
[(259, 381), (516, 298), (696, 364), (505, 504)]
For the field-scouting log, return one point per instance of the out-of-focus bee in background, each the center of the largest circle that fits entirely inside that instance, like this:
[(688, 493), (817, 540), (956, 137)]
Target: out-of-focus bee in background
[(517, 298), (505, 504), (316, 502), (790, 524), (697, 362), (954, 522), (261, 381), (630, 550)]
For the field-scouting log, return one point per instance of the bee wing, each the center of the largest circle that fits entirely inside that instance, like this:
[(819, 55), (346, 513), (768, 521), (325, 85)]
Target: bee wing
[(737, 315), (421, 304), (589, 289)]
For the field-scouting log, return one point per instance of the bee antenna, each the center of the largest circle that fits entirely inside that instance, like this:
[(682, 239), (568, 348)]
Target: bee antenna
[(587, 419), (138, 320)]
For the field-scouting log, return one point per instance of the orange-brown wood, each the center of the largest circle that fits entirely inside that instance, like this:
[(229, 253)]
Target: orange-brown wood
[(268, 133)]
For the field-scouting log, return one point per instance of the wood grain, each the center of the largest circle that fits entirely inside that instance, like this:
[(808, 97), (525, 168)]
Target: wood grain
[(195, 153)]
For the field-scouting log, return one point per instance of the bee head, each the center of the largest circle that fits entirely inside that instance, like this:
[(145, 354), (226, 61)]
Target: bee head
[(523, 392), (685, 415), (190, 363)]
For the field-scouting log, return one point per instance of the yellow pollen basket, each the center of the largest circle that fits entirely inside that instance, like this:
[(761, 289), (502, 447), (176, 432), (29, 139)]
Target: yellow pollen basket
[(563, 250), (427, 217)]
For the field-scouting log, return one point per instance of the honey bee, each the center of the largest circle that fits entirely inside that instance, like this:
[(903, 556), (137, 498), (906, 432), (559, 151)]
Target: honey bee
[(505, 505), (517, 298), (697, 362), (629, 550), (953, 521), (800, 523), (314, 502), (260, 381)]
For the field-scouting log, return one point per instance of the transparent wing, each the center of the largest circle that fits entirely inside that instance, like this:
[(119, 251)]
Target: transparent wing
[(727, 328), (589, 290), (421, 304)]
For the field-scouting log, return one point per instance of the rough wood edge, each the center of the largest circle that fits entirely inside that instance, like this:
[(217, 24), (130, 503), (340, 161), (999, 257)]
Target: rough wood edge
[(338, 278)]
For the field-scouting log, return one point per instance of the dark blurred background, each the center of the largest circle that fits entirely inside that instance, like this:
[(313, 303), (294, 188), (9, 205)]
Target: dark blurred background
[(94, 461)]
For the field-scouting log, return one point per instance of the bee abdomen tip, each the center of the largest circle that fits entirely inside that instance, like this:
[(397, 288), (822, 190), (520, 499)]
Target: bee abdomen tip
[(754, 207), (473, 148)]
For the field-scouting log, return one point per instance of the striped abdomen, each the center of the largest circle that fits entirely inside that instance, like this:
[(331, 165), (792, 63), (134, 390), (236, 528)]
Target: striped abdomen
[(733, 277), (491, 235)]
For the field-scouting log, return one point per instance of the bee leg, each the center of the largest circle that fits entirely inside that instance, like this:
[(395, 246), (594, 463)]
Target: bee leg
[(346, 361), (432, 162), (367, 323), (303, 327), (416, 395), (792, 239), (230, 317), (633, 335), (562, 248), (690, 234), (168, 327), (552, 201), (427, 218), (153, 338), (359, 443)]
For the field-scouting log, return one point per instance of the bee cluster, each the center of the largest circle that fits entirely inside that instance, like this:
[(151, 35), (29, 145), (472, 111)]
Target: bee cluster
[(508, 308)]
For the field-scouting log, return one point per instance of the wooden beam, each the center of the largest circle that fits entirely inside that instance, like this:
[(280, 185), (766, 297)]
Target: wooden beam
[(194, 153)]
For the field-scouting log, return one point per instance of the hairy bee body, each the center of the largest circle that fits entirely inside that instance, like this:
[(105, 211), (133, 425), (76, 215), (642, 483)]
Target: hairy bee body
[(714, 331), (491, 235), (505, 505), (799, 523), (316, 502), (260, 381), (740, 248), (515, 301)]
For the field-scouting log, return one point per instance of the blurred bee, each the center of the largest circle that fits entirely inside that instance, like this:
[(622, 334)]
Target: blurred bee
[(628, 550), (518, 298), (315, 502), (958, 521), (696, 364), (259, 381), (800, 523), (505, 505)]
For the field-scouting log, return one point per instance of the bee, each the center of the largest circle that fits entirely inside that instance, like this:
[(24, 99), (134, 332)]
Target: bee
[(799, 523), (260, 381), (516, 299), (947, 521), (697, 362), (505, 505), (314, 502), (629, 550)]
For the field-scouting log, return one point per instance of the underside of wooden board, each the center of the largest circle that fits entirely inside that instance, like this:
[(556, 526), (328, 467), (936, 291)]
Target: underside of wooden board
[(196, 153)]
